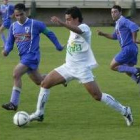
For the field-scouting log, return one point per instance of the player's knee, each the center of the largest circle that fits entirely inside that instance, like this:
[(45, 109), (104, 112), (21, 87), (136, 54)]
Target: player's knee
[(38, 83), (112, 67), (16, 75), (44, 84)]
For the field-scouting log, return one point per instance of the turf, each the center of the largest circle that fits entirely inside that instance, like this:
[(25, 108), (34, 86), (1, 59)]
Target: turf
[(71, 113)]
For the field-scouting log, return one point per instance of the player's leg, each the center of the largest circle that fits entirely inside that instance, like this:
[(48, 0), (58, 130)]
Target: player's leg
[(2, 28), (36, 77), (52, 79), (95, 92), (19, 70), (122, 68), (124, 63)]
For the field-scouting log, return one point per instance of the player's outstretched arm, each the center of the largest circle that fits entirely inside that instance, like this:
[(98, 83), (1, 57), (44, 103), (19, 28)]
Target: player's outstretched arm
[(53, 39), (100, 33), (73, 28)]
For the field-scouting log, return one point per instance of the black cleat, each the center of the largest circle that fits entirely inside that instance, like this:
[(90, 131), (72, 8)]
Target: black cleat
[(65, 84), (34, 117), (138, 75), (9, 106)]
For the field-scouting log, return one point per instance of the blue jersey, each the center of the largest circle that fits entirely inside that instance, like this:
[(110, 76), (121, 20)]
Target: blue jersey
[(26, 36), (6, 11), (123, 31)]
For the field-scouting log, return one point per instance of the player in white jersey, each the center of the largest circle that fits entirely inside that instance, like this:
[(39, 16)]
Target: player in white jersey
[(79, 62)]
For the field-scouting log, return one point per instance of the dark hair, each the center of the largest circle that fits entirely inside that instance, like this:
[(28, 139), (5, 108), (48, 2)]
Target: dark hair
[(117, 7), (75, 13), (20, 6)]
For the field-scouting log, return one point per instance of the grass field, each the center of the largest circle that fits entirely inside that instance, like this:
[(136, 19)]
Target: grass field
[(71, 113)]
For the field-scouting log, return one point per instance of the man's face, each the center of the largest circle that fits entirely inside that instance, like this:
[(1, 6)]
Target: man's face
[(115, 14), (20, 16), (70, 20), (5, 1)]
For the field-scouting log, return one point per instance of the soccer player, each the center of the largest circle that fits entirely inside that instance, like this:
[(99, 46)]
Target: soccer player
[(25, 33), (7, 12), (126, 33), (79, 63)]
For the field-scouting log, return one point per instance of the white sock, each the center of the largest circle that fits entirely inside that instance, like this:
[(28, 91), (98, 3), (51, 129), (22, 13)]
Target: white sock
[(110, 101), (42, 99)]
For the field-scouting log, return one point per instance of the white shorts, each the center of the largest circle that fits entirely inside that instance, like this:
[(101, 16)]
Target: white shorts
[(84, 75)]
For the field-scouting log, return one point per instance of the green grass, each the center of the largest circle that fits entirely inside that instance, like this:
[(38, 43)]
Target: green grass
[(71, 113)]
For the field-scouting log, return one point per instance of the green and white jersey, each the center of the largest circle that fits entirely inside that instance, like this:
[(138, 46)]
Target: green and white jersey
[(79, 52)]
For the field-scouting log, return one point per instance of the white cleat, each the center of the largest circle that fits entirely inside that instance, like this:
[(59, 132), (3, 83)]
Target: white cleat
[(128, 117), (35, 117)]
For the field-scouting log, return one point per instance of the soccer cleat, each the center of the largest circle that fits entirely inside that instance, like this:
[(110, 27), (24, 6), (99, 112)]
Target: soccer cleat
[(128, 117), (65, 84), (10, 106), (138, 75), (34, 117)]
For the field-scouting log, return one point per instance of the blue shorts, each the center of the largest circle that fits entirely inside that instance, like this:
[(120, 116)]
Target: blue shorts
[(31, 60), (128, 55), (7, 23)]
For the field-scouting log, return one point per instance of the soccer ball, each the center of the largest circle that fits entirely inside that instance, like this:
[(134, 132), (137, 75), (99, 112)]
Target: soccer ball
[(21, 118)]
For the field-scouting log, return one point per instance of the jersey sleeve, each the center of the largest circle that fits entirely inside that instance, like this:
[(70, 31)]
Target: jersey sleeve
[(114, 35), (40, 26), (53, 39), (43, 29), (84, 28), (132, 26), (10, 40)]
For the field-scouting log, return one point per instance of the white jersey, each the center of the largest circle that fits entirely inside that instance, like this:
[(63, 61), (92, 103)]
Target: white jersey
[(79, 53)]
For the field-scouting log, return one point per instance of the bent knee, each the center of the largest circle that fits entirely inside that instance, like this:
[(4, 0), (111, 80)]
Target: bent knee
[(16, 75), (45, 84), (112, 67), (38, 83)]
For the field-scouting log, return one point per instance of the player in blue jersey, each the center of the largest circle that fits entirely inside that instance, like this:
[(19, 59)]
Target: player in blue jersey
[(7, 13), (79, 63), (25, 33), (126, 33)]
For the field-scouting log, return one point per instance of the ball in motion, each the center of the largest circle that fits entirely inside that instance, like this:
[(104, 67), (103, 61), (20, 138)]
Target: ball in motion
[(21, 118)]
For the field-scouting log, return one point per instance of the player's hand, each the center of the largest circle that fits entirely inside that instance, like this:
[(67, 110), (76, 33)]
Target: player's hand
[(56, 20), (100, 32), (4, 53), (61, 48), (64, 46)]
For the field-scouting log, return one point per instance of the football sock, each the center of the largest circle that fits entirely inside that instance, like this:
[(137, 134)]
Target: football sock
[(15, 95), (125, 68), (110, 101), (3, 38), (42, 99)]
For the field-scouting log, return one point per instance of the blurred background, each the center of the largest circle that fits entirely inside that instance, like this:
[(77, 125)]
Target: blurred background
[(95, 12)]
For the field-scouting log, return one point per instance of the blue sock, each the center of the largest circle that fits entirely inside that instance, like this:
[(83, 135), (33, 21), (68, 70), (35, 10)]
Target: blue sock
[(3, 38), (15, 96), (126, 68)]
